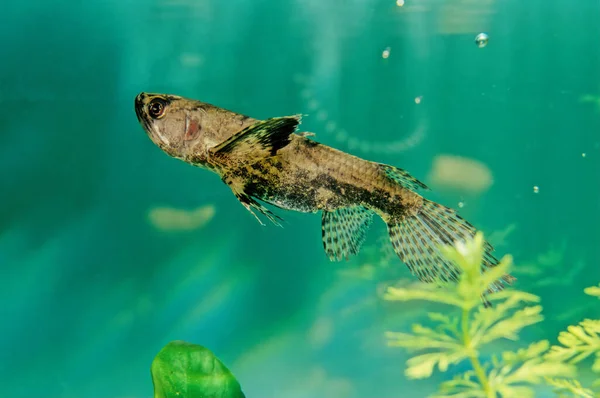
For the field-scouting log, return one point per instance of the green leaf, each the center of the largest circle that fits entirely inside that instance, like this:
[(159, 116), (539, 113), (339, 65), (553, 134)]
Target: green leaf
[(596, 365), (464, 385), (534, 350), (421, 366), (468, 257), (182, 369), (427, 293), (456, 337), (509, 327), (531, 371), (448, 348), (593, 290), (516, 391), (423, 339), (569, 385), (577, 342), (447, 324), (492, 275), (501, 320), (526, 367)]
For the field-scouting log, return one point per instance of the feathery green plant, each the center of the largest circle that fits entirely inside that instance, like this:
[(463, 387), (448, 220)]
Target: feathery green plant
[(461, 333)]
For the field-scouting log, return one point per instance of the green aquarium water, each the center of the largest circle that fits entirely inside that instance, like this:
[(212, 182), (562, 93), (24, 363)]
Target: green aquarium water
[(126, 273)]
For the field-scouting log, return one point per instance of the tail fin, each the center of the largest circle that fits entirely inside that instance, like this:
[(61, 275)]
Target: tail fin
[(416, 240)]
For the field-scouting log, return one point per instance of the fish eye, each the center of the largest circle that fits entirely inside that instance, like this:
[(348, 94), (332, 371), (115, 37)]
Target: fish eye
[(156, 108)]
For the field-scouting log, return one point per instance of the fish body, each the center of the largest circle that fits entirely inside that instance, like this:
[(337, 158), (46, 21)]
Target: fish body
[(268, 161), (307, 176)]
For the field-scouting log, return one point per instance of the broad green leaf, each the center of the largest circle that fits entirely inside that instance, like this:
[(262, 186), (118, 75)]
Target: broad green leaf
[(182, 369)]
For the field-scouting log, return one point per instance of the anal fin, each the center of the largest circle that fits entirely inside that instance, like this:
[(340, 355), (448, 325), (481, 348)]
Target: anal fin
[(344, 231)]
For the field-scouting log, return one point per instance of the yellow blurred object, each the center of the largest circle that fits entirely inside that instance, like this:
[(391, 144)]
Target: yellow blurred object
[(171, 219), (465, 16), (460, 174), (321, 332)]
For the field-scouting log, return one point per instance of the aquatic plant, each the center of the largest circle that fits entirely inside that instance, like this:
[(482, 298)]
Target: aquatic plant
[(462, 333), (182, 369)]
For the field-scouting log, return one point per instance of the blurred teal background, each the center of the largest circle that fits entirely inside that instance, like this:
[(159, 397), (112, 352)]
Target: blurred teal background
[(92, 285)]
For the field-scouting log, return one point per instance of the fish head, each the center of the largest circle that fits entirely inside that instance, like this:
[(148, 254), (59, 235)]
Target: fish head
[(185, 128), (165, 118)]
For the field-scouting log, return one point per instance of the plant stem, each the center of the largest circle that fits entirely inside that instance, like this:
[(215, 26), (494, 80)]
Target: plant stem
[(483, 380)]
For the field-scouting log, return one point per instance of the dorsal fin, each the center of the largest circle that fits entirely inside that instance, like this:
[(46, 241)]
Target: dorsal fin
[(403, 178), (262, 139)]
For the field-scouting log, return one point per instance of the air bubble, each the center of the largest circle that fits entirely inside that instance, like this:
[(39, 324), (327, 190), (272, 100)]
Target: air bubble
[(321, 116), (481, 40), (313, 105), (330, 127)]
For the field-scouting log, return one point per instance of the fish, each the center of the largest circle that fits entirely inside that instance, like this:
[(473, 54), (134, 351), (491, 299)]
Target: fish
[(268, 161)]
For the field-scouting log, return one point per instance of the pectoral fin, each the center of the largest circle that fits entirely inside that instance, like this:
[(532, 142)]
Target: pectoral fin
[(260, 140), (246, 198), (251, 204)]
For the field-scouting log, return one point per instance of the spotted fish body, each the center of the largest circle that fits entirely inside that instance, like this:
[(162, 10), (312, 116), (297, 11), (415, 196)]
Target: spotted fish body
[(267, 161)]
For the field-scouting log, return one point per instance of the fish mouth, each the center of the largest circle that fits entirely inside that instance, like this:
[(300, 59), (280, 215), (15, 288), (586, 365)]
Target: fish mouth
[(139, 105), (140, 101)]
